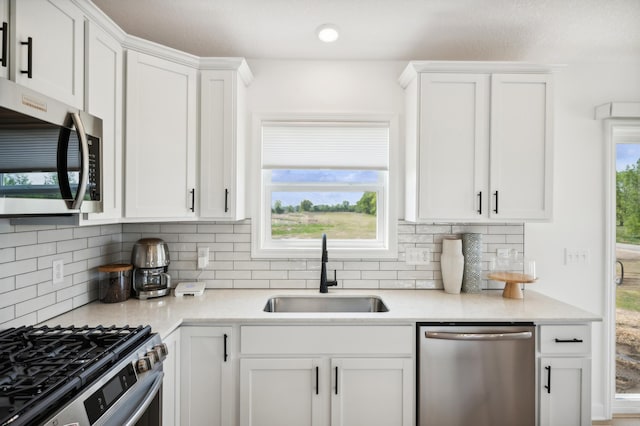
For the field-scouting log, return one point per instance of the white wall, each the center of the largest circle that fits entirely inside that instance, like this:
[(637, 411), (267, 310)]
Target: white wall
[(579, 197)]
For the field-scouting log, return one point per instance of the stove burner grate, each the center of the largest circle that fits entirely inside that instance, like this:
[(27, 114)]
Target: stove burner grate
[(43, 367)]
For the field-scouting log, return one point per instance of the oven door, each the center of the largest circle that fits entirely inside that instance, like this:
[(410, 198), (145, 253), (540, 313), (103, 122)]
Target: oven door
[(140, 407)]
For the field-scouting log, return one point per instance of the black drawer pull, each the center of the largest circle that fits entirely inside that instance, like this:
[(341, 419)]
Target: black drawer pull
[(548, 385), (29, 44), (574, 340), (5, 51), (317, 380), (226, 355)]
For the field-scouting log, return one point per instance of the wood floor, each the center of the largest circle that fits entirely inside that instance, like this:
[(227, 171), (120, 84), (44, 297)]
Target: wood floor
[(620, 421)]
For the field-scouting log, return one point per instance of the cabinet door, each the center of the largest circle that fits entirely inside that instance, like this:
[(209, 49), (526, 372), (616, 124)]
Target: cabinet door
[(171, 381), (283, 392), (160, 138), (453, 147), (103, 98), (521, 146), (207, 385), (372, 391), (221, 146), (56, 29), (564, 386), (4, 36)]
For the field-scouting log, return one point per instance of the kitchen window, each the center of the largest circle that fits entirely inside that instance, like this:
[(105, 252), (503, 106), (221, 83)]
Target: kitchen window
[(325, 177)]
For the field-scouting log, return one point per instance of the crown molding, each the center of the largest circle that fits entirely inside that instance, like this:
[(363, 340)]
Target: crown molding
[(478, 67), (618, 110)]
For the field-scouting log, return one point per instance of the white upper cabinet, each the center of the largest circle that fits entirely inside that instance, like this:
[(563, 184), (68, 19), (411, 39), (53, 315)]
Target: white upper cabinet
[(222, 143), (521, 146), (160, 165), (478, 142), (103, 98), (47, 48), (454, 142), (4, 39)]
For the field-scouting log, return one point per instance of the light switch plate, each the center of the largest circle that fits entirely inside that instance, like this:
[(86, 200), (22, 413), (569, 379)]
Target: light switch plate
[(203, 257), (58, 271)]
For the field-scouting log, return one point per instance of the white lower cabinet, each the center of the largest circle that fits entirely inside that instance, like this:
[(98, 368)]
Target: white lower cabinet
[(283, 392), (372, 391), (207, 384), (564, 375), (171, 381), (363, 376)]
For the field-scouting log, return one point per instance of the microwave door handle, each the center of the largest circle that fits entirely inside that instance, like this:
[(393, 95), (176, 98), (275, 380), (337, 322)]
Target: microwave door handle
[(74, 118)]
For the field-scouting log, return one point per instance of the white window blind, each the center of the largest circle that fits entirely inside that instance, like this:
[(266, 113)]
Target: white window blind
[(355, 146)]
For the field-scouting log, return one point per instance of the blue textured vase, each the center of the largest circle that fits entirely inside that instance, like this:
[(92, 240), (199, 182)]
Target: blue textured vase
[(472, 252)]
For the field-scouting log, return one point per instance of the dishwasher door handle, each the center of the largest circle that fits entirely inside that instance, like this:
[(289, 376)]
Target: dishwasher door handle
[(518, 335)]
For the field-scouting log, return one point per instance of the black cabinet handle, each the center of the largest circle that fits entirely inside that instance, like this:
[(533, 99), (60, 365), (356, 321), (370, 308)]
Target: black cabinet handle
[(336, 380), (193, 200), (317, 380), (548, 385), (226, 355), (226, 200), (480, 202), (29, 44), (5, 52), (496, 209), (574, 340)]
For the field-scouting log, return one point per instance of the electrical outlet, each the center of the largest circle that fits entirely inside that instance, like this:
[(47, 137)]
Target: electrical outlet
[(58, 271), (203, 257), (502, 252), (418, 256)]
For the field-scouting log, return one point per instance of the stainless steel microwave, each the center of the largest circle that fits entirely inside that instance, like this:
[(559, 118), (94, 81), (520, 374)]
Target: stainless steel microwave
[(50, 156)]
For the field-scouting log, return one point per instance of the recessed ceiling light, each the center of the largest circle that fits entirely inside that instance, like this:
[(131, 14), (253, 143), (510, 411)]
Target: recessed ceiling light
[(327, 33)]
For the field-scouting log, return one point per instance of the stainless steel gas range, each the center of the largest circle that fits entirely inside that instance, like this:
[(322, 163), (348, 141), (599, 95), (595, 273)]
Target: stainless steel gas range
[(78, 376)]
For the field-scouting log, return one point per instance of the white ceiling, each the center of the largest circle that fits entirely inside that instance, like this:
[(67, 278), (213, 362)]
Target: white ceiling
[(519, 30)]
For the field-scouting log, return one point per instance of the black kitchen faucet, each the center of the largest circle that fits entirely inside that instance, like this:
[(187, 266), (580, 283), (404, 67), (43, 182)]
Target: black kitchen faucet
[(324, 284)]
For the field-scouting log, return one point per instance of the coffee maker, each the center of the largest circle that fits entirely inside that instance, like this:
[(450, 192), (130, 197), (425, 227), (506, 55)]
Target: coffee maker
[(150, 259)]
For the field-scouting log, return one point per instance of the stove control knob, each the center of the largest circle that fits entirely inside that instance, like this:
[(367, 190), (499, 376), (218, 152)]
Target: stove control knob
[(162, 349), (144, 364), (154, 355)]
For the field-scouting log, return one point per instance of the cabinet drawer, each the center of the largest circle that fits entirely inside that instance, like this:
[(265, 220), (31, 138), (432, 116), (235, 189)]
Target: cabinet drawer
[(565, 339), (318, 340)]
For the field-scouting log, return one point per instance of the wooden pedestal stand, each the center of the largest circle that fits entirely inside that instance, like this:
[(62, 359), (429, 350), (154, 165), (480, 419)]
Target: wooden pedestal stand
[(511, 279)]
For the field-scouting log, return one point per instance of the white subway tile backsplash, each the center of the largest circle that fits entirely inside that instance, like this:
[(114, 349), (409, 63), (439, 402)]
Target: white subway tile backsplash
[(55, 310), (32, 305), (26, 254), (31, 278), (18, 267), (6, 314), (55, 235), (269, 275), (28, 292), (12, 239), (287, 283), (17, 296), (7, 284)]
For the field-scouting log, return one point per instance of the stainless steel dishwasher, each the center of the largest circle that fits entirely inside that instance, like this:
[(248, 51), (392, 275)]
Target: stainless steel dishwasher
[(476, 374)]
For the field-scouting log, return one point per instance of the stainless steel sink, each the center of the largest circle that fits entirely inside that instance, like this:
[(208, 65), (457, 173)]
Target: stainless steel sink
[(325, 304)]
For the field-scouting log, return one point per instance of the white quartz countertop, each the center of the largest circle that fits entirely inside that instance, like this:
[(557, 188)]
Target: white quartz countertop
[(246, 306)]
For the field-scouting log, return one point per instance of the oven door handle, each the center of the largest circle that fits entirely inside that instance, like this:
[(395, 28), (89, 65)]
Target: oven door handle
[(144, 404)]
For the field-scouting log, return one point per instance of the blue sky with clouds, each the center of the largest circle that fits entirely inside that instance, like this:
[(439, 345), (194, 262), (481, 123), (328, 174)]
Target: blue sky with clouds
[(321, 176), (627, 154)]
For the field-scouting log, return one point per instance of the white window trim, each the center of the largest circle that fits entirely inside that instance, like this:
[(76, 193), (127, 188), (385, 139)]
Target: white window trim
[(387, 246)]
